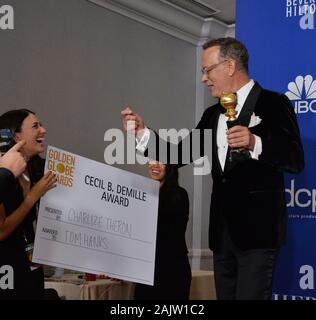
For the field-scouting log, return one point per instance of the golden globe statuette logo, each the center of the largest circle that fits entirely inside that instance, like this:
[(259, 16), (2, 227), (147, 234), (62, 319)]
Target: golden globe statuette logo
[(60, 168), (229, 101)]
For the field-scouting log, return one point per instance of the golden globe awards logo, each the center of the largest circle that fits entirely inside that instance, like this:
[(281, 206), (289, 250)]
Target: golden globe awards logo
[(62, 165), (6, 17), (305, 9), (302, 93)]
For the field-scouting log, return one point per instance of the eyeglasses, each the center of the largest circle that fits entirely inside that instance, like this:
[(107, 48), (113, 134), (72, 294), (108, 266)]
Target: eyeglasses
[(205, 71)]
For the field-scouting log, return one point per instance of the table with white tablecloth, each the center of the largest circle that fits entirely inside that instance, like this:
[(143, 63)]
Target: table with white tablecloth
[(202, 285), (72, 287)]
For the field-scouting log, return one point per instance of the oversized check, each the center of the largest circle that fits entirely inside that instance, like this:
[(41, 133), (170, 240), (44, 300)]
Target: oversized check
[(99, 219)]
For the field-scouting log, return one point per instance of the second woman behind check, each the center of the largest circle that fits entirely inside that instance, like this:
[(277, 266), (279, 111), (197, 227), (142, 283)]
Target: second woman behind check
[(172, 269)]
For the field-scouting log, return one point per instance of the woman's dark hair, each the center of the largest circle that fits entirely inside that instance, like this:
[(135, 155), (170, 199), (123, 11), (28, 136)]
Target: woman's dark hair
[(170, 191), (171, 177), (13, 120)]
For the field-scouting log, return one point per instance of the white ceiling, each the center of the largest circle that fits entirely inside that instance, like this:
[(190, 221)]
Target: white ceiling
[(227, 9), (193, 21)]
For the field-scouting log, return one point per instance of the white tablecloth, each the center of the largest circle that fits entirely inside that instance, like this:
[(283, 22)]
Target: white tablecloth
[(202, 285), (70, 287)]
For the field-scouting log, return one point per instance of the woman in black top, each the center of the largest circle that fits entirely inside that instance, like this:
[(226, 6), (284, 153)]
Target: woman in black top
[(172, 269), (12, 164), (18, 208)]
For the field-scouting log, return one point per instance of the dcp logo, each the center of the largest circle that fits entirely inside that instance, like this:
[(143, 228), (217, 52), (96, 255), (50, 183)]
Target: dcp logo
[(302, 92), (302, 198)]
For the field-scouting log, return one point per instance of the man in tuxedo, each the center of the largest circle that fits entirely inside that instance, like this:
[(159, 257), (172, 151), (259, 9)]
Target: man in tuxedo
[(248, 210)]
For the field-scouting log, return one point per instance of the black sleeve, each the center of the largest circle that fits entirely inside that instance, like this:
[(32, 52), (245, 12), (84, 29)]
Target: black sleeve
[(186, 149), (281, 142), (174, 212), (183, 209), (7, 181)]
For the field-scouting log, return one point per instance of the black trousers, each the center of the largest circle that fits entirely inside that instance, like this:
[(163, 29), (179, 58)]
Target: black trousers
[(243, 274)]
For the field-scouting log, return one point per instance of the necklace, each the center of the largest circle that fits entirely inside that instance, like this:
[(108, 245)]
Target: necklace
[(25, 177)]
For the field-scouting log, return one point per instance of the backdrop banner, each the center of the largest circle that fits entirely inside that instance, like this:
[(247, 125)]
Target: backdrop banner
[(280, 36)]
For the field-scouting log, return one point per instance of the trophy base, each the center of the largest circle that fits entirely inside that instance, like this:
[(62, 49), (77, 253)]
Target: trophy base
[(239, 154)]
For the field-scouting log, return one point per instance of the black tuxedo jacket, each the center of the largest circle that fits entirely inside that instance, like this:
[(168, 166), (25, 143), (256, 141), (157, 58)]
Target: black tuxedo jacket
[(248, 197)]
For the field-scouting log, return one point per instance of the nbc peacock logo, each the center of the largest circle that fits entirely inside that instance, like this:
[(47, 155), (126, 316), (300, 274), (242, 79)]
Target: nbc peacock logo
[(302, 93)]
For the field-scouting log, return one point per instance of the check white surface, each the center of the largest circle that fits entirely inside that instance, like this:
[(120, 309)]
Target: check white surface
[(99, 219)]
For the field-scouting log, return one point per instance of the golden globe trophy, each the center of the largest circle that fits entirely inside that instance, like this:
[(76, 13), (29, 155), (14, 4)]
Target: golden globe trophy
[(229, 101)]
